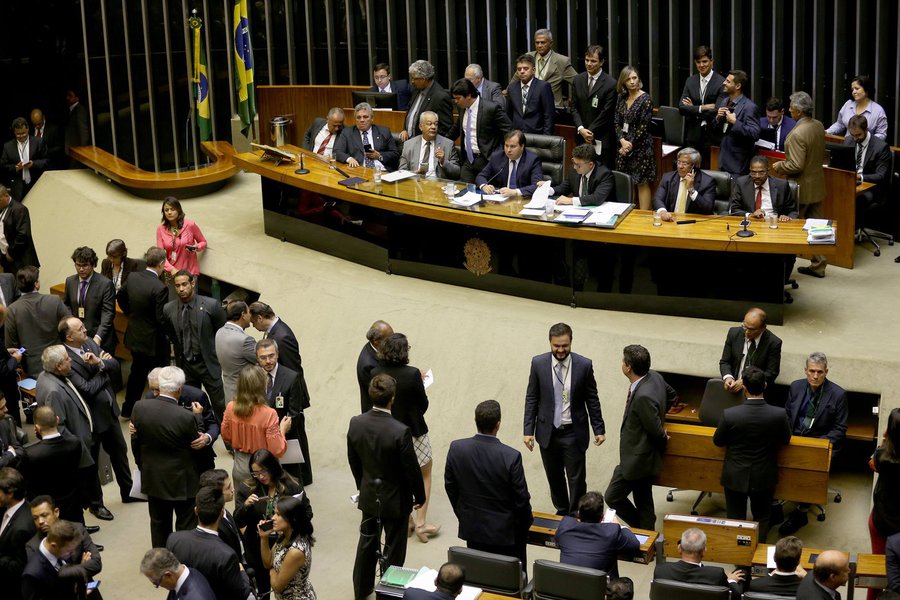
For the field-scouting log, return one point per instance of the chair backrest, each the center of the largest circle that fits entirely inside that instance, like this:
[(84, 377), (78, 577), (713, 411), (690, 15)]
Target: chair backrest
[(556, 581), (551, 149), (763, 596), (723, 190), (666, 589), (673, 125), (794, 190), (397, 141), (624, 188), (715, 400), (491, 572)]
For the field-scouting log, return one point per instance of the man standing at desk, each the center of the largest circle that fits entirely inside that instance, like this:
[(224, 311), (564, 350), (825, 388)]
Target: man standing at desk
[(751, 344), (480, 127), (776, 121), (737, 120), (698, 101), (752, 434), (594, 107), (560, 401)]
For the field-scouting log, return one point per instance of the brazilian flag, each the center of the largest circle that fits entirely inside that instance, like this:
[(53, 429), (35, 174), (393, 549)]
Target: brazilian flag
[(201, 81), (243, 66)]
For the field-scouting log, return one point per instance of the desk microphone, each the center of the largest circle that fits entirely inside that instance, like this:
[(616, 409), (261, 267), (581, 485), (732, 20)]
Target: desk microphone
[(690, 221), (494, 176), (301, 170), (338, 169), (745, 233)]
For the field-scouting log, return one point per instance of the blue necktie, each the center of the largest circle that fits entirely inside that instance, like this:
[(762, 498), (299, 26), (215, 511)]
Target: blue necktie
[(513, 175)]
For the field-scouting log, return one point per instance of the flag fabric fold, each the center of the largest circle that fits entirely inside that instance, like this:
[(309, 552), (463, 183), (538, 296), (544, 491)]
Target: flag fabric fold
[(200, 81), (243, 67)]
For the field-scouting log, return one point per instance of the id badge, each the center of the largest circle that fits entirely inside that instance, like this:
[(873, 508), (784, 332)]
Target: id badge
[(80, 312), (595, 102), (624, 127), (279, 401), (173, 257)]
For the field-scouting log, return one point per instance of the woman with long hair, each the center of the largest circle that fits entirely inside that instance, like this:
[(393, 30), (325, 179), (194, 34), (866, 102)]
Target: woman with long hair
[(634, 111), (289, 560), (884, 520), (180, 238)]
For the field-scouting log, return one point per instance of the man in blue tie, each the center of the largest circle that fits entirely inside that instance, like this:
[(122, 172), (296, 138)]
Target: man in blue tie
[(480, 128), (513, 171)]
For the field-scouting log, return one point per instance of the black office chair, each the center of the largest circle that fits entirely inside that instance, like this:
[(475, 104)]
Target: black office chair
[(666, 589), (673, 125), (551, 149), (556, 581), (763, 596), (879, 213), (794, 189), (491, 572), (723, 190), (624, 187)]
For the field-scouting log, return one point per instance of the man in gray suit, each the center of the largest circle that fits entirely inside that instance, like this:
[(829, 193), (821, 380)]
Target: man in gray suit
[(430, 154), (487, 89), (32, 319), (234, 348)]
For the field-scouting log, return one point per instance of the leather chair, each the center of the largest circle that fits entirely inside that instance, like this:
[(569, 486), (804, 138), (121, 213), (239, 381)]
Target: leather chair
[(493, 573), (879, 213), (624, 187), (673, 125), (666, 589), (556, 581), (551, 149), (764, 596), (723, 190)]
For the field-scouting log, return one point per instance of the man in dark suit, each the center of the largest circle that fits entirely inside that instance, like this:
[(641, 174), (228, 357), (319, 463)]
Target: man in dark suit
[(92, 298), (142, 298), (589, 183), (698, 102), (529, 101), (480, 128), (428, 95), (686, 190), (19, 251), (201, 549), (737, 124), (784, 580), (384, 83), (551, 66), (23, 160), (164, 570), (873, 165), (162, 451), (51, 465), (191, 325), (758, 193), (776, 120), (9, 293), (560, 401), (48, 572), (228, 530), (487, 89), (448, 584), (512, 172), (892, 562), (284, 392), (485, 483), (11, 451), (383, 461), (594, 106), (351, 146), (751, 434), (816, 407), (16, 528), (93, 371), (750, 344), (52, 137), (264, 319), (368, 360), (324, 133), (690, 569), (78, 127), (831, 571), (9, 393), (642, 440), (45, 513)]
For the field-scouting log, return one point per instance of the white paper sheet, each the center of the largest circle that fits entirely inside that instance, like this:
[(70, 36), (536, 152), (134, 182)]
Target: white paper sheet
[(293, 455), (613, 208), (494, 198), (397, 175), (532, 212), (467, 199), (424, 580), (770, 557), (816, 223), (540, 196), (136, 485), (765, 144), (428, 379)]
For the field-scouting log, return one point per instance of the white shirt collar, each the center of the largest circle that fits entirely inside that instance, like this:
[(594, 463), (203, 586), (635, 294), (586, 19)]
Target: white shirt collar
[(634, 384), (46, 552), (182, 578), (209, 531)]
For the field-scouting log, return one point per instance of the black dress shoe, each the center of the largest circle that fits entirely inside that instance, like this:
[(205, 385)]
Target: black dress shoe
[(795, 521), (92, 528), (130, 500), (102, 513), (810, 272)]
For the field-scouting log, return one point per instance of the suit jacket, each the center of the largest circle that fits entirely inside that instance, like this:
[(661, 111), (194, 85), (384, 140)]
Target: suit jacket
[(142, 298), (491, 125), (808, 590), (540, 111), (288, 386), (350, 144), (601, 186), (129, 266), (594, 545), (209, 318), (204, 458), (767, 355), (830, 419), (78, 129), (584, 402), (595, 109), (51, 467), (410, 401), (235, 350), (289, 354), (403, 90), (892, 562), (877, 165), (787, 124), (214, 559), (558, 70), (195, 587), (703, 203), (309, 138), (485, 483), (367, 361), (804, 151), (738, 143), (53, 140), (9, 287), (743, 197), (86, 570), (99, 308), (698, 124), (436, 99), (230, 534), (31, 324), (12, 551), (17, 229), (380, 447), (73, 418), (95, 386), (690, 573), (412, 152), (751, 433), (528, 172), (493, 91), (41, 581), (642, 439), (8, 438), (162, 448), (37, 154), (784, 585)]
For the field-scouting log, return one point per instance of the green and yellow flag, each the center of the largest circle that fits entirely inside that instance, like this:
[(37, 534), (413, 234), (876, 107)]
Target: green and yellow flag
[(201, 81), (243, 66)]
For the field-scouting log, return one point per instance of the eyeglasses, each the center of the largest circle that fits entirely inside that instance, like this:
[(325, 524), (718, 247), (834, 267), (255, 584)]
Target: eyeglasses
[(381, 77), (156, 582), (684, 163), (258, 474)]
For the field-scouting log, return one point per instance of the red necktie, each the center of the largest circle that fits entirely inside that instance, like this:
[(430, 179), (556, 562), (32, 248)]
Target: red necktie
[(758, 197), (324, 144)]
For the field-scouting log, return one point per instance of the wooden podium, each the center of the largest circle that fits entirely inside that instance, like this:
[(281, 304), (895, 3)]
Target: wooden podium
[(727, 540)]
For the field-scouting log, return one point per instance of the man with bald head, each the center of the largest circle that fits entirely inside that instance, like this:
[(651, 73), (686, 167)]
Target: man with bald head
[(50, 133), (368, 360), (831, 571), (448, 584), (751, 344), (487, 89)]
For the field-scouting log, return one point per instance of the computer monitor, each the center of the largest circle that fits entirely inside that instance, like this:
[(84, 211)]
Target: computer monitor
[(841, 156), (386, 100), (767, 134)]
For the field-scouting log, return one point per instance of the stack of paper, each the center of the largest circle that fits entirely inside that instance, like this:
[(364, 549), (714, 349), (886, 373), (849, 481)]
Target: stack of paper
[(821, 235), (573, 215)]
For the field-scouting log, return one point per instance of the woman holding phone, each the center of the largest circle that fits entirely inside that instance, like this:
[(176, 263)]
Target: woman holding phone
[(289, 560), (180, 237)]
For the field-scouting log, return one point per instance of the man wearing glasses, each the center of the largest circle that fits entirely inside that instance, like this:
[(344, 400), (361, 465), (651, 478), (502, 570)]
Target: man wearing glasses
[(751, 344), (384, 83)]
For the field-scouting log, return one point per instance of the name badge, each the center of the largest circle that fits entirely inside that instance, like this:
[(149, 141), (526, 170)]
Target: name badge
[(80, 312), (173, 257), (624, 130), (279, 401), (595, 102)]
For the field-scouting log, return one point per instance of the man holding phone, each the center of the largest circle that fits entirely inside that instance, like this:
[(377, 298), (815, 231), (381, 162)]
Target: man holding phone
[(685, 190), (366, 144)]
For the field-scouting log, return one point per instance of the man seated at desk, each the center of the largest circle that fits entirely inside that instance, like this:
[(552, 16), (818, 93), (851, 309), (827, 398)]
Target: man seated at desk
[(589, 183), (589, 542), (323, 134), (873, 165), (512, 172), (758, 193), (788, 573), (385, 84), (430, 154), (685, 190), (690, 569), (367, 144), (831, 571)]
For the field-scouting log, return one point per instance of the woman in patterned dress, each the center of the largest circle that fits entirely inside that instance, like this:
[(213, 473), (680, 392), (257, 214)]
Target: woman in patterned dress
[(634, 110), (290, 559)]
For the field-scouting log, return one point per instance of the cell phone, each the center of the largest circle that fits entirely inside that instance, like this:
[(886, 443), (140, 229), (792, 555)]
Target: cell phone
[(191, 248), (21, 350), (367, 147), (92, 585), (267, 526)]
